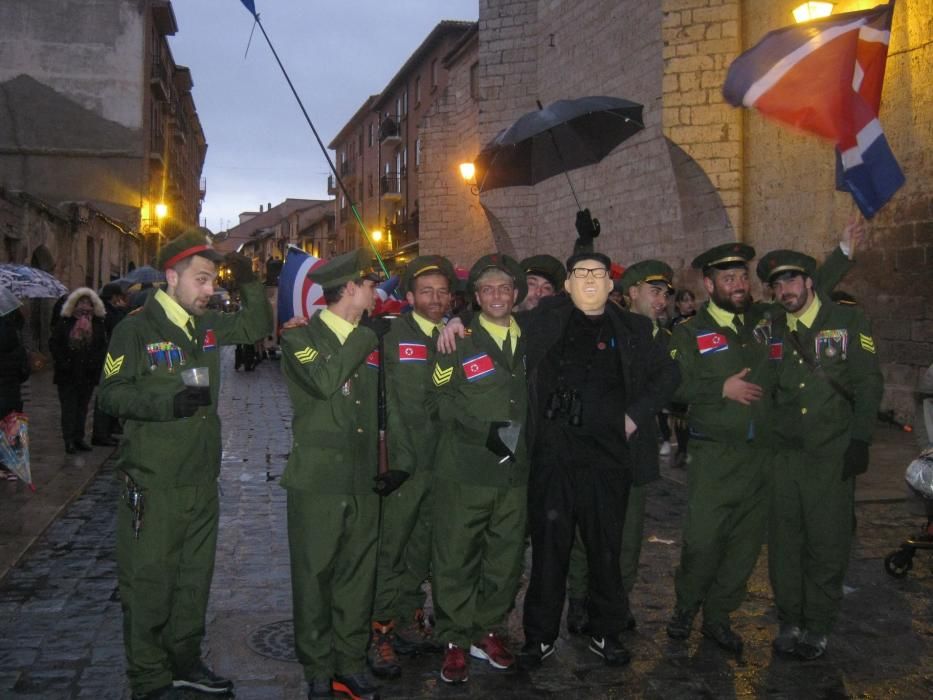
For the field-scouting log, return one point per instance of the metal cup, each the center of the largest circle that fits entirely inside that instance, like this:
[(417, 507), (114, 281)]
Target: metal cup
[(199, 377)]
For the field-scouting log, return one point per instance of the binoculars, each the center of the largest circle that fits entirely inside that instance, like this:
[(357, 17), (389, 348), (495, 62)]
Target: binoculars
[(565, 403)]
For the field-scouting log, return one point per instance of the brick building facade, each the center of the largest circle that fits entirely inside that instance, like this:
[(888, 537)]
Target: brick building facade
[(700, 172)]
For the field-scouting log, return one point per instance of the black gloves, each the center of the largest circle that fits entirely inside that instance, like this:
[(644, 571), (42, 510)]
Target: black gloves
[(189, 400), (241, 268), (494, 441), (387, 482), (377, 324), (855, 461)]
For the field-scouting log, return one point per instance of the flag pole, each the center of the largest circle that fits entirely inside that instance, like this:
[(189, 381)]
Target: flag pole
[(251, 9)]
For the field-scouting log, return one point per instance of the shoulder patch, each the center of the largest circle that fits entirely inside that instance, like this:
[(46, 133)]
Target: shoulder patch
[(867, 343), (307, 355), (113, 365), (441, 376)]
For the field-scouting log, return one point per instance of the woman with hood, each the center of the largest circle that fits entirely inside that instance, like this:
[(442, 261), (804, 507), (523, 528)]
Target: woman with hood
[(78, 345)]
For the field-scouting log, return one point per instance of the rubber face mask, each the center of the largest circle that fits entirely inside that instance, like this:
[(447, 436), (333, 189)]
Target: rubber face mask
[(590, 293)]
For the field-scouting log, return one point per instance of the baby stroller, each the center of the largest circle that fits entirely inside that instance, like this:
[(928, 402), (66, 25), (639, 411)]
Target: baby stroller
[(919, 478)]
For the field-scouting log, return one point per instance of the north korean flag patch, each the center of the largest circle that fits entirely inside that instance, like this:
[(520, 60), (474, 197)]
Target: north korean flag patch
[(776, 350), (372, 359), (210, 340), (412, 352), (712, 342), (478, 367)]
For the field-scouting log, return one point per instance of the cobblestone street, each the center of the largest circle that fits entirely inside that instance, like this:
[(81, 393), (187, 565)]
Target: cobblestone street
[(60, 619)]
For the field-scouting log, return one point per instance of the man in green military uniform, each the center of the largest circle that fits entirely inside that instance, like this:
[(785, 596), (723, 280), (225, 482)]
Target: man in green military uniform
[(331, 369), (544, 275), (480, 486), (413, 432), (170, 460), (827, 397), (729, 367), (646, 285)]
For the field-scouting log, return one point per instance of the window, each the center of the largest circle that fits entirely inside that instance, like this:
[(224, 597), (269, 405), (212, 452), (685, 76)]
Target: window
[(417, 90), (433, 74), (405, 101), (474, 81), (372, 133), (360, 142), (404, 160), (418, 152), (370, 185)]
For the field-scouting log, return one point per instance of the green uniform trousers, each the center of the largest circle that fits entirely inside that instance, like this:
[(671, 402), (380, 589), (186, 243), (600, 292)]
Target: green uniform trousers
[(332, 546), (728, 492), (165, 578), (404, 549), (810, 538), (633, 532), (478, 546)]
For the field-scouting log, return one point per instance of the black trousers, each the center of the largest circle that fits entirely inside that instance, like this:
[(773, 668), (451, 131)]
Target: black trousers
[(74, 400), (562, 496)]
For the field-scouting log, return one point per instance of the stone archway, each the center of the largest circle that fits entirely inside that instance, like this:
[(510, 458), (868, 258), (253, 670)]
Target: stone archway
[(42, 259)]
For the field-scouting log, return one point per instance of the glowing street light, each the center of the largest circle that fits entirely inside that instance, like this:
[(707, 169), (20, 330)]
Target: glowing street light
[(161, 210), (812, 10), (468, 172), (376, 235)]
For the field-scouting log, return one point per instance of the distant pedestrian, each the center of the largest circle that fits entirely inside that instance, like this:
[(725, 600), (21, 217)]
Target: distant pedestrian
[(78, 345)]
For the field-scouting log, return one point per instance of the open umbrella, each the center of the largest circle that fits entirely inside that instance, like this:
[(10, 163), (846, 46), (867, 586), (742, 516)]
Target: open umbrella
[(28, 282), (565, 135), (144, 275)]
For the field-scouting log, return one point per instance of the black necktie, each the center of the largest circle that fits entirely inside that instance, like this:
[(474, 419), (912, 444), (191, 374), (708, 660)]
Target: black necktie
[(739, 324), (190, 326)]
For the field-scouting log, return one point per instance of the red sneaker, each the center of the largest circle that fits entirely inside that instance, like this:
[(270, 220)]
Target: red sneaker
[(456, 668), (490, 648)]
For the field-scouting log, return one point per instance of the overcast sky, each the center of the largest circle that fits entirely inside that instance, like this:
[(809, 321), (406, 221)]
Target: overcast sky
[(337, 53)]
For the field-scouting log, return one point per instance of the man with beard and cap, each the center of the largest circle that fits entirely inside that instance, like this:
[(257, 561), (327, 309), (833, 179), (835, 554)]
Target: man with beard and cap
[(413, 432), (169, 461), (828, 392), (331, 367), (480, 486), (544, 275), (646, 286), (729, 366)]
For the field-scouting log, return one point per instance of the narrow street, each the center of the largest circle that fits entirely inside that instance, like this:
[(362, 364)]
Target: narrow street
[(60, 619)]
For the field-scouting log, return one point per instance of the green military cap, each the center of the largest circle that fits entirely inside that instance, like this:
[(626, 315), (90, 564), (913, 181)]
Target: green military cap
[(778, 262), (500, 262), (349, 267), (422, 265), (723, 256), (546, 266), (650, 271), (192, 242)]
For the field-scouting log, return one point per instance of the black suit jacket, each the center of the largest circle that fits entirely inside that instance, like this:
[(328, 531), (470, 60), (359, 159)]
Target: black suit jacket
[(649, 373)]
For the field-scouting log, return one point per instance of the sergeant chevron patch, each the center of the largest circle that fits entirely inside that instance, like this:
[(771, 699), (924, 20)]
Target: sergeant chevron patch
[(112, 366), (307, 355), (442, 376), (867, 343)]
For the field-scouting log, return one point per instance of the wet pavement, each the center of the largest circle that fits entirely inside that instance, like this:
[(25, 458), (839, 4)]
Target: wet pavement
[(60, 620)]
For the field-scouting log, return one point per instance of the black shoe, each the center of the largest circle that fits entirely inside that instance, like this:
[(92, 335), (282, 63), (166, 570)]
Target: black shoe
[(358, 686), (166, 692), (611, 650), (811, 646), (319, 688), (199, 677), (785, 643), (533, 654), (105, 442), (722, 634), (70, 448), (576, 616), (83, 446), (681, 624)]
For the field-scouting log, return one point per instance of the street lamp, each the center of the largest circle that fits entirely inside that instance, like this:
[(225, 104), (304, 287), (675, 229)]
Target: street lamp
[(161, 210), (376, 235), (468, 173), (812, 10)]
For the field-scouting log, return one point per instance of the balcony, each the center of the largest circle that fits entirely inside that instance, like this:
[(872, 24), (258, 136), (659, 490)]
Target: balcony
[(390, 187), (202, 189), (389, 132), (158, 79), (157, 144)]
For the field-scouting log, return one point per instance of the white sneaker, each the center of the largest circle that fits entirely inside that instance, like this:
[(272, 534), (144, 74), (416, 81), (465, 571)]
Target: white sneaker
[(665, 448)]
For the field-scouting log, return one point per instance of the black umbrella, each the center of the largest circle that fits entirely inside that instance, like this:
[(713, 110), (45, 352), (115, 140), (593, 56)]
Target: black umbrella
[(565, 135)]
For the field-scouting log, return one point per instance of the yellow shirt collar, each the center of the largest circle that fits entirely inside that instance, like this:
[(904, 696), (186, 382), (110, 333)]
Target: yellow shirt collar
[(722, 317), (427, 327), (498, 333), (341, 328), (174, 312), (807, 317)]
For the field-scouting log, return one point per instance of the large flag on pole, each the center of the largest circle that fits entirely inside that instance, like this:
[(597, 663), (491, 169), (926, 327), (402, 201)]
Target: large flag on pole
[(825, 77), (298, 295)]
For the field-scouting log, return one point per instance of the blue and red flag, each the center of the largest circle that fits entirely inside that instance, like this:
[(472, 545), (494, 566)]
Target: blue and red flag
[(298, 295), (250, 5), (825, 77)]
